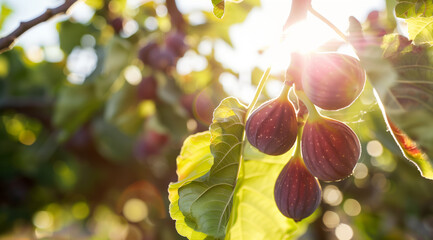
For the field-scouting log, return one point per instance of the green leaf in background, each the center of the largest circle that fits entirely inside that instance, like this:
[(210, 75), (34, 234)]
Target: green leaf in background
[(413, 8), (111, 142), (74, 106), (121, 110), (194, 161), (119, 54), (207, 202), (218, 8), (219, 28), (403, 78), (70, 34), (420, 30), (4, 13)]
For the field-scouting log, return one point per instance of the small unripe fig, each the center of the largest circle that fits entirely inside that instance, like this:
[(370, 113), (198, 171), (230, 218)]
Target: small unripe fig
[(147, 88), (297, 192), (332, 80), (330, 148), (272, 127)]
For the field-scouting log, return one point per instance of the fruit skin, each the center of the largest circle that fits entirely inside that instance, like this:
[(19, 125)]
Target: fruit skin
[(175, 41), (147, 89), (297, 192), (162, 59), (330, 149), (272, 127), (117, 24), (144, 54), (331, 80)]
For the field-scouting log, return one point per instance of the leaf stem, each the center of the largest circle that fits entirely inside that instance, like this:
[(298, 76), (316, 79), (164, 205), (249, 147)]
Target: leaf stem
[(327, 22), (258, 92)]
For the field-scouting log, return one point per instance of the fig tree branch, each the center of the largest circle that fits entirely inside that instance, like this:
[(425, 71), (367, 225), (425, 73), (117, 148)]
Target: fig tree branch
[(7, 42), (327, 22)]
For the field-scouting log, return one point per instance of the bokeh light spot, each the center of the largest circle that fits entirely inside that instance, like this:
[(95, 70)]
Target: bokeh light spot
[(80, 210), (374, 148), (135, 210), (331, 219), (344, 232), (332, 195), (43, 219), (352, 207), (132, 75), (27, 137), (146, 108), (191, 124), (360, 171)]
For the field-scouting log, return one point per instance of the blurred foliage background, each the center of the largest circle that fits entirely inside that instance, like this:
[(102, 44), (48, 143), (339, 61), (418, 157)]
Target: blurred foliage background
[(90, 131)]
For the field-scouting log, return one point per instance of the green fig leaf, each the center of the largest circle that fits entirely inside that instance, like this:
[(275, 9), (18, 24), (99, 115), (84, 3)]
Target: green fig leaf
[(194, 161), (121, 110), (207, 201), (218, 8), (255, 214), (413, 8), (420, 30), (402, 75)]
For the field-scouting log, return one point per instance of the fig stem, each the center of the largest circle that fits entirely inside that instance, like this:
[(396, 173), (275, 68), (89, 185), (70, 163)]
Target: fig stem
[(285, 91), (297, 152), (259, 89), (312, 111), (327, 22)]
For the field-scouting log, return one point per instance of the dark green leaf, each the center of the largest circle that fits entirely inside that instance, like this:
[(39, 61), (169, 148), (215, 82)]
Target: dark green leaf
[(194, 160), (207, 202)]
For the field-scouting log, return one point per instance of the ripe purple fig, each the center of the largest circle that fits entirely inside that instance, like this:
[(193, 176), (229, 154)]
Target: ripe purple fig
[(175, 41), (144, 54), (297, 192), (117, 24), (162, 59), (147, 88), (330, 148), (272, 127), (332, 80)]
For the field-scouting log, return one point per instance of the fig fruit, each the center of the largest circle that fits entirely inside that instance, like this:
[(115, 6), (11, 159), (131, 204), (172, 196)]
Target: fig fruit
[(147, 88), (330, 148), (332, 80), (162, 59), (144, 54), (175, 41), (297, 192), (117, 24), (272, 127)]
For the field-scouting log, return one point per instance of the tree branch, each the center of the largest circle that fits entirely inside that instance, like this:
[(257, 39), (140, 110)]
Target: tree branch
[(7, 42)]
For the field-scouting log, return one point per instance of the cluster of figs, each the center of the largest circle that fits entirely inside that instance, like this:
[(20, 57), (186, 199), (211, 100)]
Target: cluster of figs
[(326, 149)]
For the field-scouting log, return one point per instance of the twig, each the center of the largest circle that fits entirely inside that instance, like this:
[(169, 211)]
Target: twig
[(176, 16), (327, 22), (7, 42)]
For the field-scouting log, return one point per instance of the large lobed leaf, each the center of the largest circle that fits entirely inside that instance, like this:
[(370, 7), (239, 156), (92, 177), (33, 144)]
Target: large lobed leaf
[(194, 161), (402, 75), (206, 202)]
